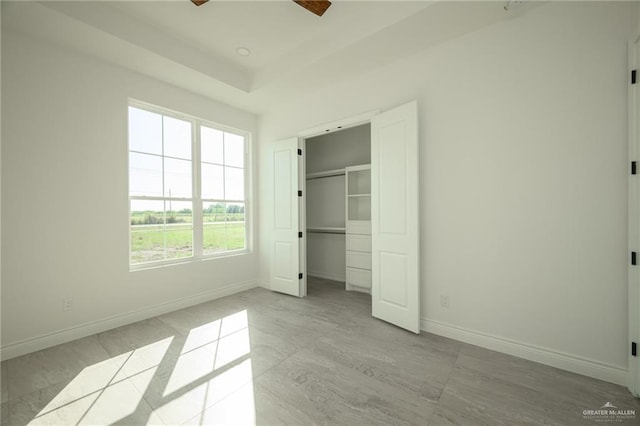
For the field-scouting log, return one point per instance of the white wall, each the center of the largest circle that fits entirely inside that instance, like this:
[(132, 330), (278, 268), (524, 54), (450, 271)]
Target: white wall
[(65, 199), (339, 149), (523, 180)]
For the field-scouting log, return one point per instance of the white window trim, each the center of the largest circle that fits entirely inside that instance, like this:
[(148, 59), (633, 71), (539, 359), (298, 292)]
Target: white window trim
[(196, 199)]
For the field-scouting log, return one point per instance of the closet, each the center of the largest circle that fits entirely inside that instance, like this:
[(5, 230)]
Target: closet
[(338, 207), (345, 203)]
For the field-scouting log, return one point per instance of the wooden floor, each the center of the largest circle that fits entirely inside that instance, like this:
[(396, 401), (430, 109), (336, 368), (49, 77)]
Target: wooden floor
[(259, 357)]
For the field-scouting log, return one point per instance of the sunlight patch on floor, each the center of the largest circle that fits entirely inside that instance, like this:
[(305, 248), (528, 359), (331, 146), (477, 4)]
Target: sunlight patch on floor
[(184, 407), (143, 359), (233, 323), (232, 347), (188, 368), (203, 335), (91, 380), (212, 366), (236, 409), (101, 393)]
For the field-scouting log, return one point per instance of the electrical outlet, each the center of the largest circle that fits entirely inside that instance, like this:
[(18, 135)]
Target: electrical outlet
[(445, 302), (67, 303)]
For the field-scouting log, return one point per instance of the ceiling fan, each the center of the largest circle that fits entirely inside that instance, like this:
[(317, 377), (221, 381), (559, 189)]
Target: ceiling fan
[(319, 7)]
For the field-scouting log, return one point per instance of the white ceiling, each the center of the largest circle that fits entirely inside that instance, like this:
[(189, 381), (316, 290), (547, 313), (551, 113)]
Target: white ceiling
[(273, 30), (291, 48)]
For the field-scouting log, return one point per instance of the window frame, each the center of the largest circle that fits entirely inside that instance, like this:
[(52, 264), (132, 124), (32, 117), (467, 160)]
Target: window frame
[(196, 190)]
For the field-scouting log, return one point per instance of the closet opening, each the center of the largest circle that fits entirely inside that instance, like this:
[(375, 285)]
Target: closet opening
[(356, 220), (336, 210)]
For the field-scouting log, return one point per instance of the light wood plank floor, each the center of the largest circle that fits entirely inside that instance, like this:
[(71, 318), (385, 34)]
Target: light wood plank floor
[(259, 357)]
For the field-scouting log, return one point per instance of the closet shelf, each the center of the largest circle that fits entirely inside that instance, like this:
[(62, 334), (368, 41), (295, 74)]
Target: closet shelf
[(326, 230), (326, 173)]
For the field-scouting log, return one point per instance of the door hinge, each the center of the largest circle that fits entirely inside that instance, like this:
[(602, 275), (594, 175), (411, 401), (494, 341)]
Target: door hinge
[(634, 349), (300, 276), (299, 152), (633, 257), (299, 234), (634, 168), (299, 193), (633, 76)]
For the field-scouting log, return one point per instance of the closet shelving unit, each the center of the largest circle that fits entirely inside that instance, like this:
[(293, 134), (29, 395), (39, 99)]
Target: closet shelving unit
[(358, 227), (358, 202)]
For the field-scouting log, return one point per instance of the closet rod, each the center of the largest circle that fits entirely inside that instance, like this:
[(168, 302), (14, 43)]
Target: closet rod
[(328, 173), (326, 230)]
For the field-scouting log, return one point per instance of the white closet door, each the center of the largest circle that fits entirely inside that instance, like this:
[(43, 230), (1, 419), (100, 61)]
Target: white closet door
[(285, 256), (395, 286)]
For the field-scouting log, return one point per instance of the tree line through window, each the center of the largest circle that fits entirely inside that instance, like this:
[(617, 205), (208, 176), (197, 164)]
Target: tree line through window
[(186, 187)]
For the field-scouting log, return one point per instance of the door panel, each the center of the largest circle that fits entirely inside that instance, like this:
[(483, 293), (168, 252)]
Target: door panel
[(393, 268), (285, 258), (390, 194), (395, 271)]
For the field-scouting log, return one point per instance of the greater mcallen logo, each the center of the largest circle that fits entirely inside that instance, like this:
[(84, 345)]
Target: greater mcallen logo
[(609, 413)]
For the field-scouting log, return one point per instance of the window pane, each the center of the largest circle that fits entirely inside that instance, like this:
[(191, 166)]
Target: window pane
[(147, 231), (233, 150), (162, 167), (233, 183), (177, 138), (212, 182), (145, 131), (179, 229), (213, 231), (145, 175), (211, 145), (213, 212), (235, 226), (177, 178)]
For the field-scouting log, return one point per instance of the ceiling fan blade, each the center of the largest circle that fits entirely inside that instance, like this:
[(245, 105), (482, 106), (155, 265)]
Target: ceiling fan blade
[(319, 7), (199, 2)]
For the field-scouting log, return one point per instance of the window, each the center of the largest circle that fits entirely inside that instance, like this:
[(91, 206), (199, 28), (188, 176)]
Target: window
[(186, 187)]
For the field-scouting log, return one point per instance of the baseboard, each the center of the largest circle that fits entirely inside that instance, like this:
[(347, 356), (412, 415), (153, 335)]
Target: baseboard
[(327, 276), (23, 347), (575, 364)]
